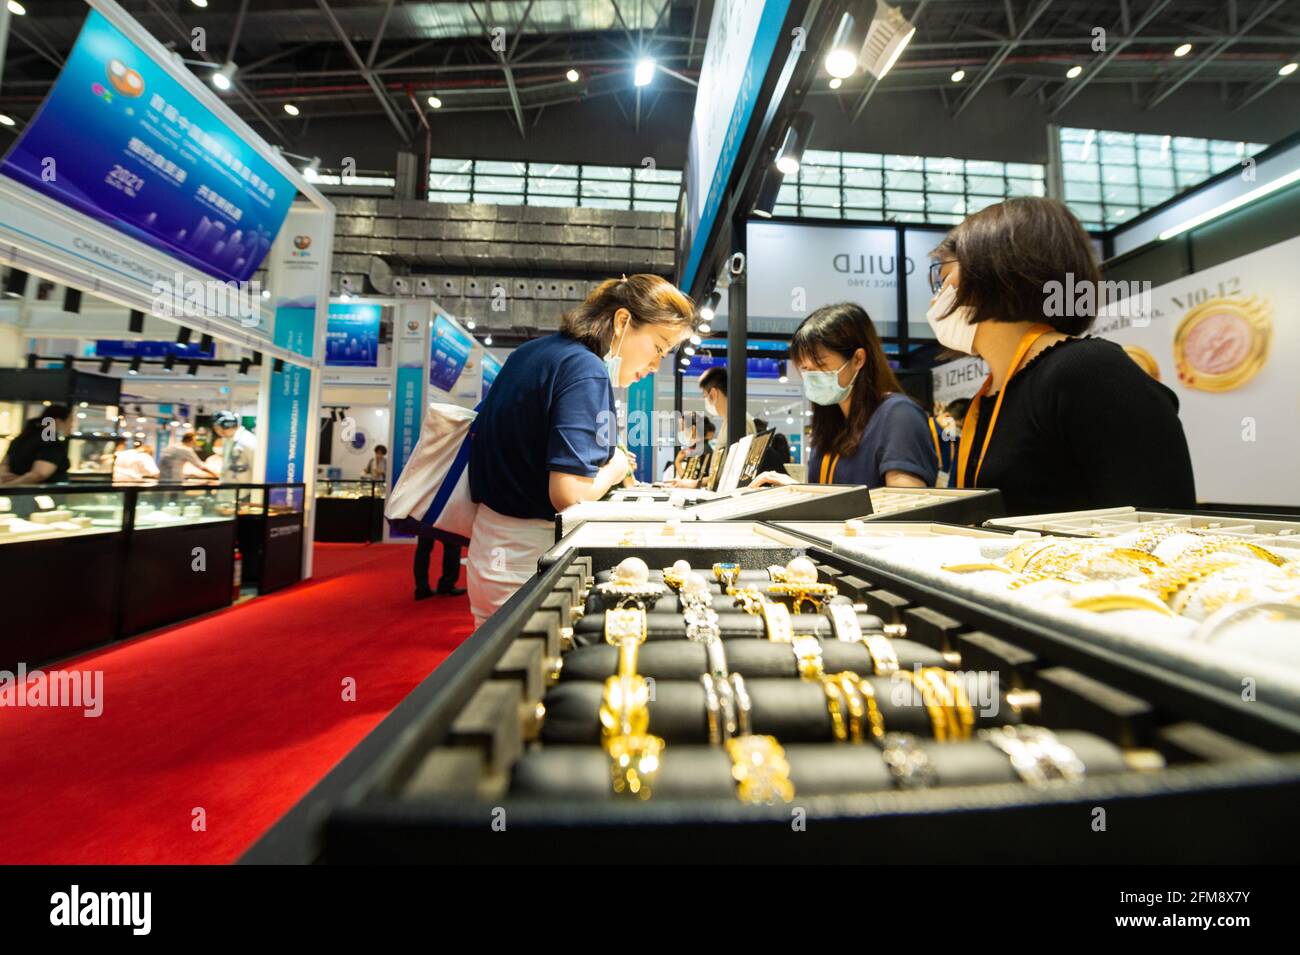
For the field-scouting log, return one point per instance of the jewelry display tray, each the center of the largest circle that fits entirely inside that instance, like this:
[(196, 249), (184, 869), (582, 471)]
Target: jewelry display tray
[(430, 783), (1265, 530), (807, 502)]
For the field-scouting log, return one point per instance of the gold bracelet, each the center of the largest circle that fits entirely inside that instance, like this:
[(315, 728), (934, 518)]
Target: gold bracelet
[(939, 720), (835, 704), (961, 717), (856, 704), (760, 769), (867, 694), (634, 764)]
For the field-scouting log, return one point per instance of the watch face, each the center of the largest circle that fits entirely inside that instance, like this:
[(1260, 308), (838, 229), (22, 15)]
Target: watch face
[(1223, 343)]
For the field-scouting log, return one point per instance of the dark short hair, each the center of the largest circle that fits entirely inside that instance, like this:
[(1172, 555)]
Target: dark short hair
[(715, 377), (57, 412), (1011, 253), (380, 449), (958, 408)]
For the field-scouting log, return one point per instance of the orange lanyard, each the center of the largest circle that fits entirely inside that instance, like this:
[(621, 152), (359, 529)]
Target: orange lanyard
[(934, 433), (829, 464), (971, 422)]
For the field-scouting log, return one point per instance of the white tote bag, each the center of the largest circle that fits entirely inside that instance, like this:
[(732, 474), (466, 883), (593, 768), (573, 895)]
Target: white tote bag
[(432, 492)]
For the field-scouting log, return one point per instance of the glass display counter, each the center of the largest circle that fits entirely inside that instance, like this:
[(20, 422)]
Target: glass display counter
[(52, 538), (270, 534), (350, 511)]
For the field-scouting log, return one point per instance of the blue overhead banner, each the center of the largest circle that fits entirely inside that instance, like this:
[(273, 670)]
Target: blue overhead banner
[(352, 335), (742, 39), (115, 348), (121, 141)]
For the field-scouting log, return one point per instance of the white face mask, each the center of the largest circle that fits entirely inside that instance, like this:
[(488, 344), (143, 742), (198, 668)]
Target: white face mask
[(614, 362), (710, 408), (955, 331)]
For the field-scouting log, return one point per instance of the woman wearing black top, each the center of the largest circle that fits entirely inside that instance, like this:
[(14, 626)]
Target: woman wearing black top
[(1061, 423), (39, 454)]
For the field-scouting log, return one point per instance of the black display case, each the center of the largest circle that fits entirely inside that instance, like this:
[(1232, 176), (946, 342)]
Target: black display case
[(270, 534), (350, 511), (134, 557), (1204, 775)]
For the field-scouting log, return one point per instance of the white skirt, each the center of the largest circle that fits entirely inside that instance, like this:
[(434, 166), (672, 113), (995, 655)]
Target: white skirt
[(503, 555)]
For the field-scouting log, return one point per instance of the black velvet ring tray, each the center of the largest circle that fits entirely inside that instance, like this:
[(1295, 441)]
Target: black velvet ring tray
[(752, 659), (667, 625), (794, 711), (816, 769)]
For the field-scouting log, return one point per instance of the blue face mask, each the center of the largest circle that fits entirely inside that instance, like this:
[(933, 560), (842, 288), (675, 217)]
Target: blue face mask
[(824, 388)]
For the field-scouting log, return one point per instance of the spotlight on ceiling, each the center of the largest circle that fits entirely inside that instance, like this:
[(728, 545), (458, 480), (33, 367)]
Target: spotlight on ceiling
[(199, 3), (244, 364), (291, 109), (487, 340), (224, 78), (842, 59), (105, 365), (193, 369), (277, 366), (958, 76), (135, 322), (169, 362), (573, 76), (795, 142), (708, 309), (6, 119), (205, 343), (1183, 49), (134, 368), (183, 336), (1073, 71), (309, 171), (1287, 70), (768, 190), (434, 102), (645, 71), (16, 8), (888, 36), (836, 82)]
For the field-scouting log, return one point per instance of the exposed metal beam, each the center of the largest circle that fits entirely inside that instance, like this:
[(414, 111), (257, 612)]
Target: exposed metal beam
[(1260, 13), (505, 64), (239, 28), (379, 35), (1003, 52), (380, 93), (1070, 91), (256, 65), (1263, 87)]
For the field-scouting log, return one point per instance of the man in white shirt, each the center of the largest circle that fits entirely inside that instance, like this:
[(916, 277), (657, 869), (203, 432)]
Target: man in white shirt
[(135, 464), (239, 448)]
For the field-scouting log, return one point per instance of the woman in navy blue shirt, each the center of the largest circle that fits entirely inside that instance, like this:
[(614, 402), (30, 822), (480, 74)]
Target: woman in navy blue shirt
[(865, 430), (546, 436)]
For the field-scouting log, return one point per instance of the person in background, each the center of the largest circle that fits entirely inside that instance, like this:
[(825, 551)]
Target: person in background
[(777, 454), (180, 461), (865, 428), (945, 428), (135, 464), (39, 454), (546, 436), (452, 545), (1062, 423), (713, 385), (239, 448), (376, 468), (689, 444), (212, 461)]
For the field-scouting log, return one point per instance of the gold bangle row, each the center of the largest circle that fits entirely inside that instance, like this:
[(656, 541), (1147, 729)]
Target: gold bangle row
[(946, 701), (850, 699)]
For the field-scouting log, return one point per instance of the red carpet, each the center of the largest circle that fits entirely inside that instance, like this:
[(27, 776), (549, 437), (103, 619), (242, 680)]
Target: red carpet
[(237, 714)]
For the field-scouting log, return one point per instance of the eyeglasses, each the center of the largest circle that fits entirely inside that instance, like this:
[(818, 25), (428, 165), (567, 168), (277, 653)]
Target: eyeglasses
[(936, 279)]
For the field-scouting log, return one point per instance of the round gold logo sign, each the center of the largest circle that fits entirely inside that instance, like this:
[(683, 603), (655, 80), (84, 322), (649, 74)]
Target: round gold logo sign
[(1223, 343), (1144, 360)]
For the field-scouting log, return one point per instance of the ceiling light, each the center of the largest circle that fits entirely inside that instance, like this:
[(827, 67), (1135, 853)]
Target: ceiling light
[(291, 109), (488, 340), (469, 323), (6, 119), (17, 9), (703, 327), (888, 36), (1183, 50), (842, 59), (696, 340), (685, 362), (199, 3), (434, 102), (1073, 71), (958, 76), (784, 379), (193, 369), (689, 350), (795, 142), (134, 369), (310, 170), (105, 365), (266, 293), (1287, 70), (224, 78), (836, 82), (169, 362), (645, 71), (573, 76)]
